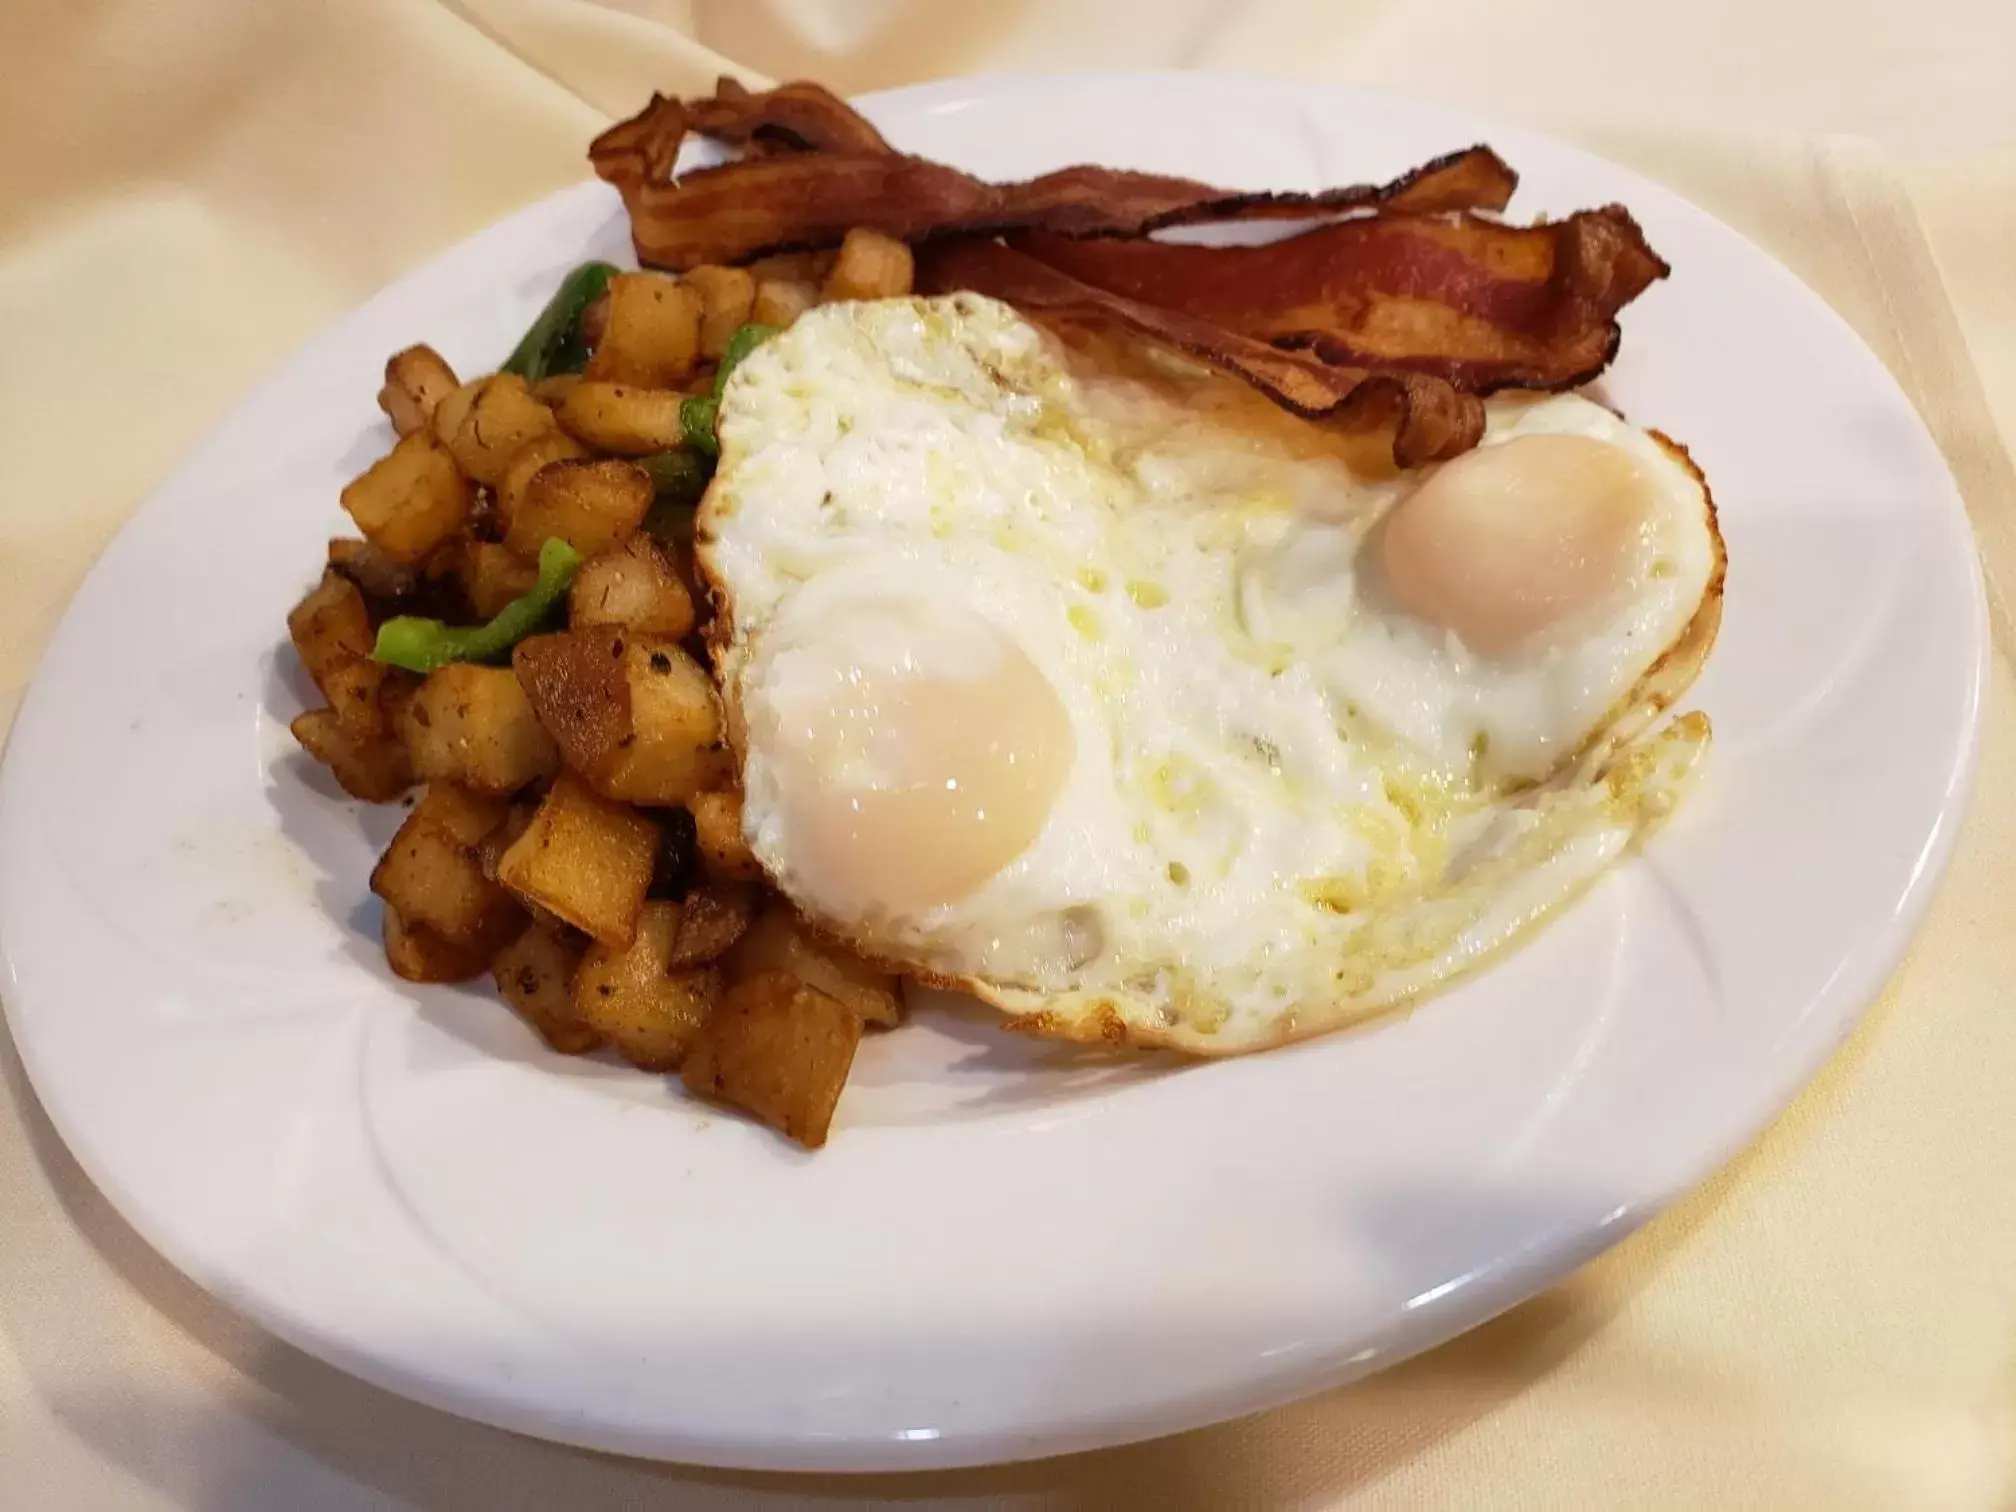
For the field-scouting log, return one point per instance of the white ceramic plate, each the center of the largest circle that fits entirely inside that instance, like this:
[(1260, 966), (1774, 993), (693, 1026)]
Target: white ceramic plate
[(1008, 1249)]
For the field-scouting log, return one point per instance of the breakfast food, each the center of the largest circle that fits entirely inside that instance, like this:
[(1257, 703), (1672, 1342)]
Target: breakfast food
[(1170, 645)]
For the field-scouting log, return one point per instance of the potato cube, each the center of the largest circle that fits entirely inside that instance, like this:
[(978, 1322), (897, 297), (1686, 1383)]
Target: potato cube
[(676, 748), (711, 919), (635, 715), (779, 940), (633, 996), (331, 631), (416, 381), (652, 334), (431, 875), (717, 824), (365, 764), (870, 266), (453, 410), (474, 726), (586, 859), (418, 954), (411, 500), (780, 301), (727, 295), (535, 975), (632, 585), (589, 505), (376, 575), (493, 575), (622, 418), (551, 390), (778, 1049), (553, 446), (502, 417)]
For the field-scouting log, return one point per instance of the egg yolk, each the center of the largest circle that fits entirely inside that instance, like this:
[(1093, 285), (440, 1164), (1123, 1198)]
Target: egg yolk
[(1509, 542), (916, 753)]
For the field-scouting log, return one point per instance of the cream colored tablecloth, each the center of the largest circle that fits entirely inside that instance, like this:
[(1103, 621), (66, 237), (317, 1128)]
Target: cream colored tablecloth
[(190, 189)]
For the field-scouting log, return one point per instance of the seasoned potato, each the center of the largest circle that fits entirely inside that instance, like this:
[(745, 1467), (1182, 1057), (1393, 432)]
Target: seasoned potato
[(416, 381), (431, 875), (633, 996), (870, 266), (590, 505), (474, 726), (778, 1049), (535, 975), (418, 954), (376, 575), (712, 918), (411, 500), (502, 418), (553, 446), (779, 940), (635, 715), (622, 418), (717, 823), (652, 333), (365, 764), (727, 295), (454, 409), (632, 585), (493, 575), (331, 631), (584, 858), (780, 301)]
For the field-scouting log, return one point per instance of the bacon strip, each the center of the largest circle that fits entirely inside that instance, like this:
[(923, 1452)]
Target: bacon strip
[(1430, 420), (1480, 304), (800, 117), (803, 200)]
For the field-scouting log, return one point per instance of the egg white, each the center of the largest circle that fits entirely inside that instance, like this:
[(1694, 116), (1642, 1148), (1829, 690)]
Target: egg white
[(1278, 814)]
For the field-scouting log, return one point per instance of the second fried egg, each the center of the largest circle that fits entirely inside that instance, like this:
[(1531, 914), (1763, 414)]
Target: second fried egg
[(1107, 691)]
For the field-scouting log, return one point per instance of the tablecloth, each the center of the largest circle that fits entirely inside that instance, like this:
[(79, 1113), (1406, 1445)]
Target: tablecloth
[(188, 190)]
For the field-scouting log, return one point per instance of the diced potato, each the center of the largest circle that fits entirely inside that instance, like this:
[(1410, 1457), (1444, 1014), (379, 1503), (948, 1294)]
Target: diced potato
[(717, 823), (590, 505), (779, 940), (365, 764), (416, 381), (635, 715), (586, 859), (676, 747), (493, 575), (780, 301), (474, 726), (622, 418), (653, 332), (411, 500), (431, 875), (727, 295), (779, 1050), (490, 849), (418, 954), (376, 575), (712, 918), (454, 409), (870, 266), (331, 631), (535, 975), (502, 418), (632, 994), (632, 585), (553, 446)]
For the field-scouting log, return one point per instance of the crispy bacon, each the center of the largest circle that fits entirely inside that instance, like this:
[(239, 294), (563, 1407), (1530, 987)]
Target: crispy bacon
[(1429, 419), (800, 116), (799, 200), (1484, 305)]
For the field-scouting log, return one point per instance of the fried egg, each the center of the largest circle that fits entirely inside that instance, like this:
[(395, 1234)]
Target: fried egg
[(1099, 687)]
